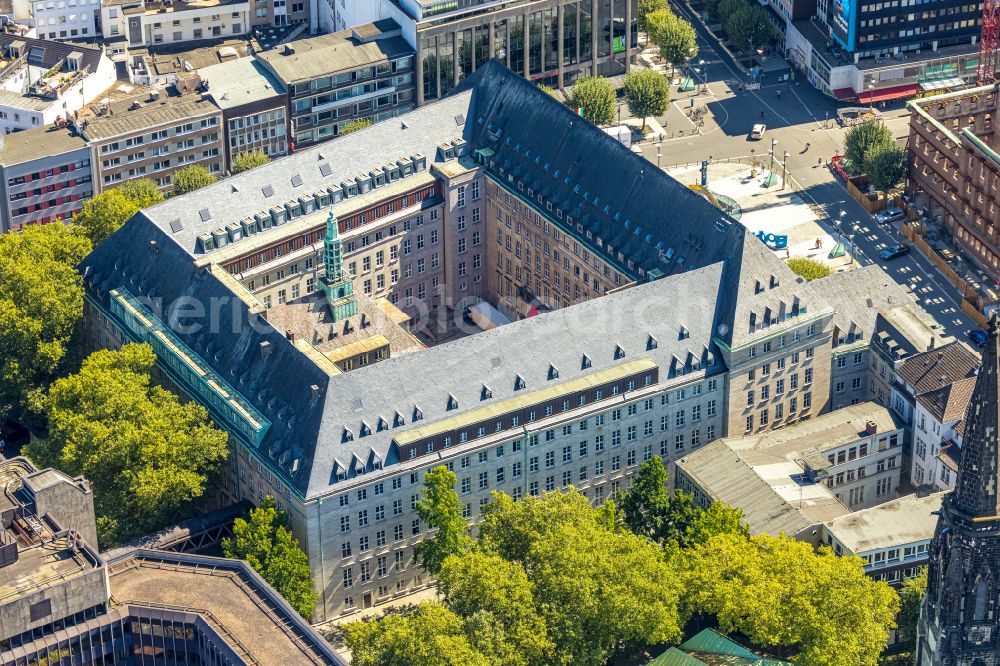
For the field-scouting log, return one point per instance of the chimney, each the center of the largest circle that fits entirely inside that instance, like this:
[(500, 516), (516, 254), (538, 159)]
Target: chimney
[(932, 343), (290, 335), (871, 427), (265, 349)]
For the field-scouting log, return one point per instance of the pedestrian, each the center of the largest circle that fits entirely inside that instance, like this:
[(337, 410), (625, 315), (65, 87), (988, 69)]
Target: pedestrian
[(807, 145), (779, 94), (788, 253), (819, 162)]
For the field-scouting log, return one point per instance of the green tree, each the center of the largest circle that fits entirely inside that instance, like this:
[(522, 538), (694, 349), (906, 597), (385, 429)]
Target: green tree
[(644, 9), (266, 543), (355, 125), (781, 593), (746, 26), (148, 456), (673, 36), (911, 596), (497, 599), (596, 98), (885, 167), (41, 301), (550, 91), (647, 93), (863, 138), (717, 519), (810, 269), (432, 635), (249, 160), (441, 510), (600, 591), (646, 503), (191, 178), (141, 191), (103, 214)]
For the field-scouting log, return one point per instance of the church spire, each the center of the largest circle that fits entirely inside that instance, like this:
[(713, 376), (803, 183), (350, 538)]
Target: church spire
[(976, 494)]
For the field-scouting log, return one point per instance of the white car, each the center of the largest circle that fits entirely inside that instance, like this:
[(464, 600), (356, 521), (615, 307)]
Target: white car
[(757, 131)]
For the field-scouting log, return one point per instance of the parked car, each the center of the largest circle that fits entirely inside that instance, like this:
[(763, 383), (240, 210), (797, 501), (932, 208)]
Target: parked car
[(947, 255), (978, 337), (894, 251), (890, 215), (757, 131)]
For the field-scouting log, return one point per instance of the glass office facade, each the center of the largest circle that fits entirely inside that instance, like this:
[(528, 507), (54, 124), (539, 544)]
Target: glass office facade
[(534, 40)]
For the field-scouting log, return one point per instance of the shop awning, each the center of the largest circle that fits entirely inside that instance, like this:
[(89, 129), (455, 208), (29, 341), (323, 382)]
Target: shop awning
[(844, 93), (942, 84), (881, 95)]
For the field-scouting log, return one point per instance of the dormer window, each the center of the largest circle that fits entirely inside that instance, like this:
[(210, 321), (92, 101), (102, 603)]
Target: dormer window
[(417, 414), (398, 420), (585, 363), (650, 343), (485, 393), (553, 372), (619, 352), (519, 383), (452, 403), (365, 429), (347, 436)]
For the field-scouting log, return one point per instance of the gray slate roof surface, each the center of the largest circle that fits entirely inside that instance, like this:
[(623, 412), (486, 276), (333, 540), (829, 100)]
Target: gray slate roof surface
[(47, 53), (348, 156), (311, 426), (860, 294)]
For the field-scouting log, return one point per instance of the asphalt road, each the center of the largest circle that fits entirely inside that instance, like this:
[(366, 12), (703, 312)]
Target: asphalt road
[(796, 115)]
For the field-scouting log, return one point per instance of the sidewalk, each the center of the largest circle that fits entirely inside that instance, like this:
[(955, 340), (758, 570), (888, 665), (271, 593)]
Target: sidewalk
[(771, 210)]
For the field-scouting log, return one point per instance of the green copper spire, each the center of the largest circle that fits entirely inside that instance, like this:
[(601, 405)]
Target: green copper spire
[(337, 286)]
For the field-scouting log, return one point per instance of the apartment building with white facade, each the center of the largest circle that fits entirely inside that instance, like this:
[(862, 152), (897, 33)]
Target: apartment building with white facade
[(67, 19), (144, 23)]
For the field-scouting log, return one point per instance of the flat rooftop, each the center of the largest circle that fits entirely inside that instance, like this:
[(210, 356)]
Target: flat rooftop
[(39, 142), (120, 119), (838, 57), (191, 56), (25, 102), (337, 52), (822, 433), (237, 601), (905, 520), (41, 565), (775, 497), (238, 82)]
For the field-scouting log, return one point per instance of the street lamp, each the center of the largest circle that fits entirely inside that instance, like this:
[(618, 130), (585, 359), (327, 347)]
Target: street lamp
[(784, 169), (840, 220), (774, 142), (658, 155), (619, 114)]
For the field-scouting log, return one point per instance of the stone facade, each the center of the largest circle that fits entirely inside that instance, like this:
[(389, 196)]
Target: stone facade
[(960, 620)]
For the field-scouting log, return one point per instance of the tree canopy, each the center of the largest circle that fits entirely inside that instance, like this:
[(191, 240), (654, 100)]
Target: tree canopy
[(249, 160), (674, 520), (442, 511), (810, 269), (885, 166), (673, 36), (41, 301), (104, 213), (148, 456), (191, 178), (644, 9), (861, 139), (266, 543), (746, 24), (647, 93), (141, 191), (432, 635), (549, 582), (911, 596), (595, 97), (780, 593)]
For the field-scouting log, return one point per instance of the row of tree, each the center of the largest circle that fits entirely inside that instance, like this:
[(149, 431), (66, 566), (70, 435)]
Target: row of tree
[(646, 94), (551, 580)]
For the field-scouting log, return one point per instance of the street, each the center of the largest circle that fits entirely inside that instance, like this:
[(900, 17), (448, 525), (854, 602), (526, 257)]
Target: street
[(801, 121)]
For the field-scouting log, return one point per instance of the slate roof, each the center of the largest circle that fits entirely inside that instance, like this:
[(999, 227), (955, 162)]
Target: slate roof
[(860, 295), (47, 53), (713, 262), (930, 370)]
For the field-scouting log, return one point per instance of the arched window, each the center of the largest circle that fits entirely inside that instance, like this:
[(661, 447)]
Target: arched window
[(981, 601)]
